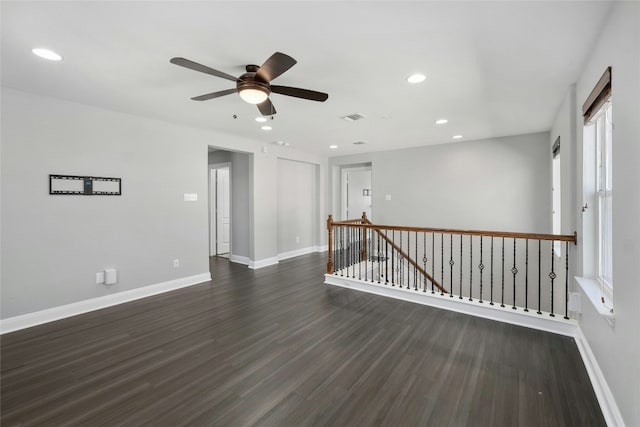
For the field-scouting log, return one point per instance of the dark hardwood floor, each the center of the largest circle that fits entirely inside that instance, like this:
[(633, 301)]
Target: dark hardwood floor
[(277, 347)]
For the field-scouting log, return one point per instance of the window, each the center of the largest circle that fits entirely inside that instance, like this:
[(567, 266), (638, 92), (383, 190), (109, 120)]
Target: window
[(597, 218), (603, 134)]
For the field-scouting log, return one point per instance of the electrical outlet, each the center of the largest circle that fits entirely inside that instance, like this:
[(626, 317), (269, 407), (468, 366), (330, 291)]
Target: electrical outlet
[(297, 239), (176, 263)]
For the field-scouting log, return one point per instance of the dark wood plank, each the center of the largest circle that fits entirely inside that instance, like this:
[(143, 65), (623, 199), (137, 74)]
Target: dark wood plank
[(277, 347)]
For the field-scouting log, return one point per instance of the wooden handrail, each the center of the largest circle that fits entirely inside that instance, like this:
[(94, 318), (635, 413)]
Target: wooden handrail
[(533, 236)]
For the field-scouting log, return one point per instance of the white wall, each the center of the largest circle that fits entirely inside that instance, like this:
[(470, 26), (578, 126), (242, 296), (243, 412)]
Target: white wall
[(52, 246), (500, 184), (297, 205), (617, 348), (565, 128)]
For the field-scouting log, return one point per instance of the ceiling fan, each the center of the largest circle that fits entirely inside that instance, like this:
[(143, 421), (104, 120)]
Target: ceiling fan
[(255, 86)]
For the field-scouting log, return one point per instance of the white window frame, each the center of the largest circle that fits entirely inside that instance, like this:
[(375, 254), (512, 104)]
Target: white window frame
[(604, 191), (600, 127)]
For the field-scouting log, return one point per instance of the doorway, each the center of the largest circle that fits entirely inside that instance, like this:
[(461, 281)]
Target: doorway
[(220, 209), (356, 192)]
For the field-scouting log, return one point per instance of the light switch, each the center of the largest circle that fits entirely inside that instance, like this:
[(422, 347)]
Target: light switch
[(190, 197), (387, 197)]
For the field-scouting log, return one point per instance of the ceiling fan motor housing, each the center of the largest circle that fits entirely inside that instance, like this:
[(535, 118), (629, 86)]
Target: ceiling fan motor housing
[(250, 80)]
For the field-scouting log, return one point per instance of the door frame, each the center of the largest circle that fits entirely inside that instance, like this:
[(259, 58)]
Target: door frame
[(213, 214)]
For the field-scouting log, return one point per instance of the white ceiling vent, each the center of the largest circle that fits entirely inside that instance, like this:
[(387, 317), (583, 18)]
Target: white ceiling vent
[(353, 117)]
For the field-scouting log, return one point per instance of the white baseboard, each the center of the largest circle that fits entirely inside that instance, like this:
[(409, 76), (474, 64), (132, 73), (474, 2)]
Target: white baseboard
[(274, 260), (303, 251), (28, 320), (608, 404), (530, 319), (263, 263), (239, 259)]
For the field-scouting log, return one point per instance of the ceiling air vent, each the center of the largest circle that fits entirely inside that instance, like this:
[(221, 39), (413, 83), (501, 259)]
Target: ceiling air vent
[(359, 143), (353, 117)]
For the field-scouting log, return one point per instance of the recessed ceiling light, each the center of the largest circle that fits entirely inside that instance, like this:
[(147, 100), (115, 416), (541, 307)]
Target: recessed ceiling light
[(416, 78), (266, 128), (441, 121), (457, 136), (333, 147), (261, 119), (47, 54)]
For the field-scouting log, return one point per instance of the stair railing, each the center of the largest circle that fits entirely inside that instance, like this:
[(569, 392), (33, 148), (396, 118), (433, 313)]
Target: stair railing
[(520, 270)]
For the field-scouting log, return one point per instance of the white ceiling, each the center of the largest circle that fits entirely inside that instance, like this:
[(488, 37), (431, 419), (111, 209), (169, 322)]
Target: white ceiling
[(493, 68)]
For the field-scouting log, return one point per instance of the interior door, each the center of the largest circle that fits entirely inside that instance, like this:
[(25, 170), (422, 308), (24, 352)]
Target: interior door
[(357, 192), (223, 211)]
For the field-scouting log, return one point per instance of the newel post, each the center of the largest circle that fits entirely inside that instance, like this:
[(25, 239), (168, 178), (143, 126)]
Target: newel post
[(330, 245), (364, 236)]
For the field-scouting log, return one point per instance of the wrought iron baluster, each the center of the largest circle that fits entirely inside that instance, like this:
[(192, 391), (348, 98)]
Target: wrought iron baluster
[(424, 260), (400, 266), (552, 276), (433, 260), (341, 251), (514, 271), (526, 276), (352, 253), (360, 253), (415, 267), (491, 296), (502, 285), (460, 267), (393, 257), (367, 252), (451, 263), (355, 253), (346, 249), (470, 268), (539, 274), (336, 254), (566, 281), (408, 276), (481, 267), (386, 258), (375, 242)]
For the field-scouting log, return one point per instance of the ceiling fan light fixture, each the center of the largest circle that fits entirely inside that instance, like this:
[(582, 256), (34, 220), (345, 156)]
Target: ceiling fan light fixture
[(253, 95)]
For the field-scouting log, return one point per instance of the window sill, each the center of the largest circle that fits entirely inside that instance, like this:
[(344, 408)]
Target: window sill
[(591, 288)]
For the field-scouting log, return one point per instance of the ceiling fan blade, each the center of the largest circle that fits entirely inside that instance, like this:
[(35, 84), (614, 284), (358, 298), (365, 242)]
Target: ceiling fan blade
[(277, 64), (202, 68), (214, 95), (266, 108), (300, 93)]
